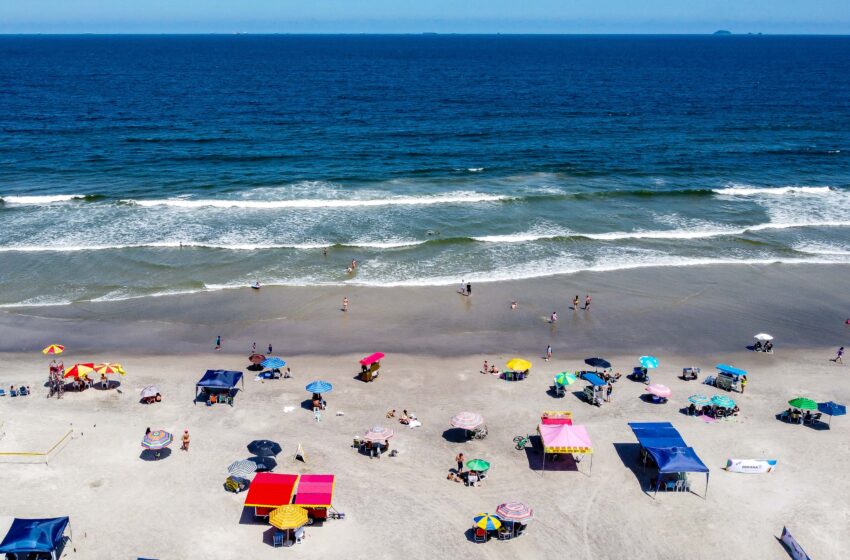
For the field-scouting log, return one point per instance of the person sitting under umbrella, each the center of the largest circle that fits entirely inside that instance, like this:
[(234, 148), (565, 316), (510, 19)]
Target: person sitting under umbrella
[(319, 402)]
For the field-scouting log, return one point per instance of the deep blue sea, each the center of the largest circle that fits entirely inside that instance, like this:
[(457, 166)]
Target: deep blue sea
[(146, 165)]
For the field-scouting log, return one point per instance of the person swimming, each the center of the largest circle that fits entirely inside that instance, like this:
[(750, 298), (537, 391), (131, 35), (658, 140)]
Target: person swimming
[(256, 285)]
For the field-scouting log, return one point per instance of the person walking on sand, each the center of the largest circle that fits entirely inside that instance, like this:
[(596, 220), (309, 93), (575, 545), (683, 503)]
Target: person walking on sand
[(608, 391), (270, 348), (469, 288), (743, 383), (839, 355), (548, 352), (218, 342), (459, 461), (462, 290), (575, 303), (185, 446), (587, 303), (345, 304), (254, 347)]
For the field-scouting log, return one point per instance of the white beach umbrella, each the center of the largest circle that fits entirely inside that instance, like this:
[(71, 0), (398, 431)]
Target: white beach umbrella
[(764, 337)]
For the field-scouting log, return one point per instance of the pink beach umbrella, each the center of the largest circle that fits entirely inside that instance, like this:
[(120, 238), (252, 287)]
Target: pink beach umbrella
[(378, 434), (514, 511), (467, 420), (662, 391)]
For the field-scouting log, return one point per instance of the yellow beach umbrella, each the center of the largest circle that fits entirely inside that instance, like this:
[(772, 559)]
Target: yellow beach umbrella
[(109, 368), (288, 517), (53, 349), (518, 364), (79, 370)]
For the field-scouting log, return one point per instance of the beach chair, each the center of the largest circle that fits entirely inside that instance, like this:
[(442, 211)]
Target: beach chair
[(277, 539), (2, 392), (479, 534), (23, 392), (671, 485)]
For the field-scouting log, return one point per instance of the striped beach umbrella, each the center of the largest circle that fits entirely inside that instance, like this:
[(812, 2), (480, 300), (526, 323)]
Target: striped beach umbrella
[(158, 439), (649, 362), (486, 521), (378, 434), (273, 363), (803, 403), (479, 465), (662, 391), (53, 349), (242, 469), (319, 387), (514, 511), (109, 369), (467, 420), (149, 391), (288, 517), (722, 401), (518, 364), (700, 400), (79, 370), (565, 379)]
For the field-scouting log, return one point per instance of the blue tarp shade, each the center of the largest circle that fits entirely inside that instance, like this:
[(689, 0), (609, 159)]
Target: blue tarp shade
[(594, 379), (657, 434), (34, 535), (730, 370)]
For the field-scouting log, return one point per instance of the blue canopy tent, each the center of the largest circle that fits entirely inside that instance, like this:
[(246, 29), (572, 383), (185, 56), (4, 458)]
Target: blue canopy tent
[(656, 434), (28, 536), (219, 380), (594, 379), (677, 460), (730, 370)]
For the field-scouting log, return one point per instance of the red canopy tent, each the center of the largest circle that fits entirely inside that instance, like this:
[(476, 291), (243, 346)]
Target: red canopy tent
[(315, 492), (269, 491), (372, 358)]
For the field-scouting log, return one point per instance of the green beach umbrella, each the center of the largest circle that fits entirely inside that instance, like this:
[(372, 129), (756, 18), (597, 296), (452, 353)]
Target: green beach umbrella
[(478, 465), (699, 400), (722, 401), (803, 403), (565, 379)]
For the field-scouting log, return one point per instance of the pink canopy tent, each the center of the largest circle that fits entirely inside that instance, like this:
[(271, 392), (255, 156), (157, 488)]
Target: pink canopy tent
[(372, 358), (565, 438)]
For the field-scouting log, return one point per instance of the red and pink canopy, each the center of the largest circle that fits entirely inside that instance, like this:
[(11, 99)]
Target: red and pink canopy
[(372, 358)]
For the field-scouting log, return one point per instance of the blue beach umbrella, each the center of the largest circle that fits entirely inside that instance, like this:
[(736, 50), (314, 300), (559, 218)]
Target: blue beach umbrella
[(699, 400), (722, 401), (649, 362), (832, 409), (273, 363), (319, 387)]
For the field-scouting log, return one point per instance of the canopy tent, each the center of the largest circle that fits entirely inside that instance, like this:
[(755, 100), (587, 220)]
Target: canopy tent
[(565, 438), (677, 460), (594, 379), (27, 536), (372, 358), (315, 491), (556, 417), (656, 434), (727, 369), (269, 491), (832, 409), (219, 379)]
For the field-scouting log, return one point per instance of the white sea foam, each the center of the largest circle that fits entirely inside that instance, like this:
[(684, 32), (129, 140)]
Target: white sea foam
[(451, 198), (41, 200), (747, 190)]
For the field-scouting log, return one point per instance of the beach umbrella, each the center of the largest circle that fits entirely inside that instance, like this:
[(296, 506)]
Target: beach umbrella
[(264, 464), (467, 420), (256, 358), (699, 400), (273, 363), (479, 465), (803, 403), (514, 511), (264, 448), (79, 370), (158, 439), (486, 521), (832, 409), (53, 349), (764, 337), (659, 390), (598, 362), (319, 387), (722, 401), (518, 364), (565, 379), (378, 434), (242, 469), (149, 391), (109, 368), (288, 517), (649, 362)]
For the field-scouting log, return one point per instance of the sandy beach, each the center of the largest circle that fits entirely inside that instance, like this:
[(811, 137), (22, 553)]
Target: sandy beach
[(436, 340)]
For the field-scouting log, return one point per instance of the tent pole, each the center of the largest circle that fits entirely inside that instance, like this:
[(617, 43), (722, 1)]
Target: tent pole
[(705, 497)]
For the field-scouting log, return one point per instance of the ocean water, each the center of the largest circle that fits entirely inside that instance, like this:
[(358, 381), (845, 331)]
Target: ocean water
[(140, 166)]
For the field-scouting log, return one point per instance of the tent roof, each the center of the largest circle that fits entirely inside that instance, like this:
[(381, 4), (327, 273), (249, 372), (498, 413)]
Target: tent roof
[(315, 490), (34, 535), (564, 438), (220, 379), (657, 434), (372, 358), (271, 490), (730, 370), (594, 379), (677, 459)]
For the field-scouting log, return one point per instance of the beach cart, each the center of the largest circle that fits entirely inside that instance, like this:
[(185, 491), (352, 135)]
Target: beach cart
[(690, 373), (593, 392), (369, 367), (728, 378)]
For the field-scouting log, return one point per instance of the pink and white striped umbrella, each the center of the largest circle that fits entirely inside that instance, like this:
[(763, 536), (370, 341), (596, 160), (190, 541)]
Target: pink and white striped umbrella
[(659, 390), (514, 511), (378, 434), (467, 420)]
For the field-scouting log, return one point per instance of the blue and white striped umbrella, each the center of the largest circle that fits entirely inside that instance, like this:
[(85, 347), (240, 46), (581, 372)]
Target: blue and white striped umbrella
[(649, 362), (319, 387), (242, 469), (273, 363)]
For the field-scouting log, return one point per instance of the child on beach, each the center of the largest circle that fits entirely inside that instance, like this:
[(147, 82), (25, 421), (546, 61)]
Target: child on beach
[(459, 461), (345, 304), (486, 367), (548, 352), (185, 446)]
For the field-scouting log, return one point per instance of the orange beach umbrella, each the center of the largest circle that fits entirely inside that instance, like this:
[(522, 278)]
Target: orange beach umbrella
[(109, 368), (79, 370)]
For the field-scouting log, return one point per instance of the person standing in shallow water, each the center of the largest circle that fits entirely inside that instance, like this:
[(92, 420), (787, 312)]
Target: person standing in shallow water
[(575, 303), (469, 288), (587, 303), (218, 342)]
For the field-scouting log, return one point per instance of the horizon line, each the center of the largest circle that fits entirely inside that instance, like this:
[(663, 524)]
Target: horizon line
[(418, 33)]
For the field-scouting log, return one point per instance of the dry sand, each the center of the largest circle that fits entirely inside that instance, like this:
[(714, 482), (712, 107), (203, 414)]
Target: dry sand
[(122, 506)]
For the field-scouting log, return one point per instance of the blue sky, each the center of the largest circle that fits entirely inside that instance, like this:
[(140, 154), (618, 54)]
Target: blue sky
[(414, 16)]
